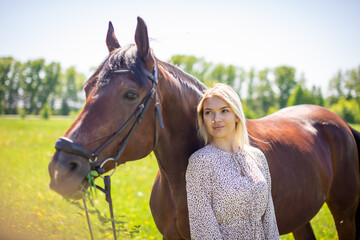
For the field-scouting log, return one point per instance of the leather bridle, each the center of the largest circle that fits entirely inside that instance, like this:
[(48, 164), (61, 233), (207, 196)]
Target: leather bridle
[(67, 145)]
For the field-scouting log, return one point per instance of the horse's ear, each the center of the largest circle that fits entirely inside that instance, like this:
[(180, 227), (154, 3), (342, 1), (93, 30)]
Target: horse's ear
[(142, 39), (111, 41)]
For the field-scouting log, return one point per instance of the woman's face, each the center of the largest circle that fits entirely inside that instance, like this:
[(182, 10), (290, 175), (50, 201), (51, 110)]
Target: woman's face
[(220, 121)]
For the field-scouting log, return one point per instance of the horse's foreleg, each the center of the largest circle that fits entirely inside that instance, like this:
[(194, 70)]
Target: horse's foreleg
[(163, 210), (304, 233)]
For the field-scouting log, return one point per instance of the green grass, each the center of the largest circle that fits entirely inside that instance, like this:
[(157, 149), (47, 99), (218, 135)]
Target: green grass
[(30, 210), (356, 126)]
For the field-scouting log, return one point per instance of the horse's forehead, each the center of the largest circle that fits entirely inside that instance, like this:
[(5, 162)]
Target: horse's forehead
[(127, 60), (122, 58)]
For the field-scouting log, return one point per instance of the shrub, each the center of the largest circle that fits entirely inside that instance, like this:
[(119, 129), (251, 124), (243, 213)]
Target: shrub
[(349, 110), (45, 111), (22, 112)]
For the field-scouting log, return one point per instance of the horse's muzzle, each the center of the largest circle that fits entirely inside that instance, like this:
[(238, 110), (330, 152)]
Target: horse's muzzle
[(68, 174)]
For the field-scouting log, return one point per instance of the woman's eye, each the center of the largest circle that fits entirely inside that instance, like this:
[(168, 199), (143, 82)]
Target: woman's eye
[(207, 112), (225, 110), (130, 95)]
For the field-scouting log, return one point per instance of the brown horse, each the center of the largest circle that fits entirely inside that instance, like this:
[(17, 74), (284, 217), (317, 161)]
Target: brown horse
[(312, 153)]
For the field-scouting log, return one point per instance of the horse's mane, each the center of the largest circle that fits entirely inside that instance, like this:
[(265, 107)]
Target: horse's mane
[(187, 81)]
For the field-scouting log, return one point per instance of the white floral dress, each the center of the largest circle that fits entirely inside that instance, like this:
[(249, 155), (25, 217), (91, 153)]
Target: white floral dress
[(229, 195)]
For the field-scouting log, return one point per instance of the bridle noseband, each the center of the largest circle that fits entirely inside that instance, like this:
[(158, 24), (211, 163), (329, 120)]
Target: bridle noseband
[(67, 145)]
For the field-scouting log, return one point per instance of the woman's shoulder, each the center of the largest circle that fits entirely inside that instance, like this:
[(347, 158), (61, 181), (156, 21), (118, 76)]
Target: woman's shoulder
[(202, 153), (254, 150), (256, 153), (205, 155)]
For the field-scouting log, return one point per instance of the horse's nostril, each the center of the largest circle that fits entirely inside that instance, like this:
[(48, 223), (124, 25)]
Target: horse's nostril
[(73, 166)]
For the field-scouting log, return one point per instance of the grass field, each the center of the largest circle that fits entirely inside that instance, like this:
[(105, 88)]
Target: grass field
[(30, 210)]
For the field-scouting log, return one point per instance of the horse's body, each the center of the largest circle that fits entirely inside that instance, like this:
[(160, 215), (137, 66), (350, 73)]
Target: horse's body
[(312, 158), (312, 154)]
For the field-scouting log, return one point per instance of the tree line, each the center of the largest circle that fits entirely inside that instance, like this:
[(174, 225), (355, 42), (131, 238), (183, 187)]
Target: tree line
[(267, 90), (37, 87)]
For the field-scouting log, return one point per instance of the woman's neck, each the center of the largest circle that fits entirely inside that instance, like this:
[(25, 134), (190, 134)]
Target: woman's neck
[(225, 145)]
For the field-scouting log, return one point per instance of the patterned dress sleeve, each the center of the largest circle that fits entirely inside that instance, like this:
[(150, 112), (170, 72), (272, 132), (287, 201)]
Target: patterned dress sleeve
[(269, 219), (203, 224)]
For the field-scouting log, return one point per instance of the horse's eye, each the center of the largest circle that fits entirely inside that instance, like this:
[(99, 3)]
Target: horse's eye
[(131, 95)]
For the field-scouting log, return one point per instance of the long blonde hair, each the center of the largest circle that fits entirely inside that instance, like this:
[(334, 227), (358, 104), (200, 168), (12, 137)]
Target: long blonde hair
[(227, 94)]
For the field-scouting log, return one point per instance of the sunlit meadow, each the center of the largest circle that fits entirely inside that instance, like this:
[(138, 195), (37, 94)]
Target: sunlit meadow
[(30, 210)]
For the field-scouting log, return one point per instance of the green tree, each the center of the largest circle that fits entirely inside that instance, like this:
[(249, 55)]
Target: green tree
[(45, 111), (250, 88), (218, 73), (46, 91), (337, 84), (352, 82), (5, 71), (241, 76), (34, 73), (344, 86), (65, 109), (317, 95), (223, 74), (285, 81), (266, 95), (251, 105), (71, 85), (230, 75), (194, 66), (300, 95), (249, 112), (12, 96)]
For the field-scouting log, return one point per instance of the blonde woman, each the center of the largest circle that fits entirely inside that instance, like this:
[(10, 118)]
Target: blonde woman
[(228, 182)]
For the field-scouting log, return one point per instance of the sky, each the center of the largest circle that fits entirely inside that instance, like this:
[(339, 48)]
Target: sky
[(316, 37)]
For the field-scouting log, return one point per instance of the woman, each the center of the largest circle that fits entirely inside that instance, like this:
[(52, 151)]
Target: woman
[(228, 182)]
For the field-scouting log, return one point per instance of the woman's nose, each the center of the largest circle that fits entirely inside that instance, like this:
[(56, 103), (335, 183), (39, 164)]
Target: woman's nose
[(216, 118)]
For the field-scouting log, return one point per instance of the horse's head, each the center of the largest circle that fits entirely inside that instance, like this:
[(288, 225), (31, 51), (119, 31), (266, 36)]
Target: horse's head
[(118, 96)]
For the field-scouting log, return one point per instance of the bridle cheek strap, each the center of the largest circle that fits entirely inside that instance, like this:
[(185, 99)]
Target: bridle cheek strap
[(67, 145)]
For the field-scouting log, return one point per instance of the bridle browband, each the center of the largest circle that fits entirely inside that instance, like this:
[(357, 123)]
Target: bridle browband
[(67, 145)]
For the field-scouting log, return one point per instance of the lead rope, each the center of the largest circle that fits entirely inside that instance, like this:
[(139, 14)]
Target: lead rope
[(88, 219), (107, 191)]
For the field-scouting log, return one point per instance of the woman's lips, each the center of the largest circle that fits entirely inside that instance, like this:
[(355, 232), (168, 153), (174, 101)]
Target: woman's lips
[(217, 128)]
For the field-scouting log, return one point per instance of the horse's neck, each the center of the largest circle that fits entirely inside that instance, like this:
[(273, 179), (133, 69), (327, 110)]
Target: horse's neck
[(178, 140)]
